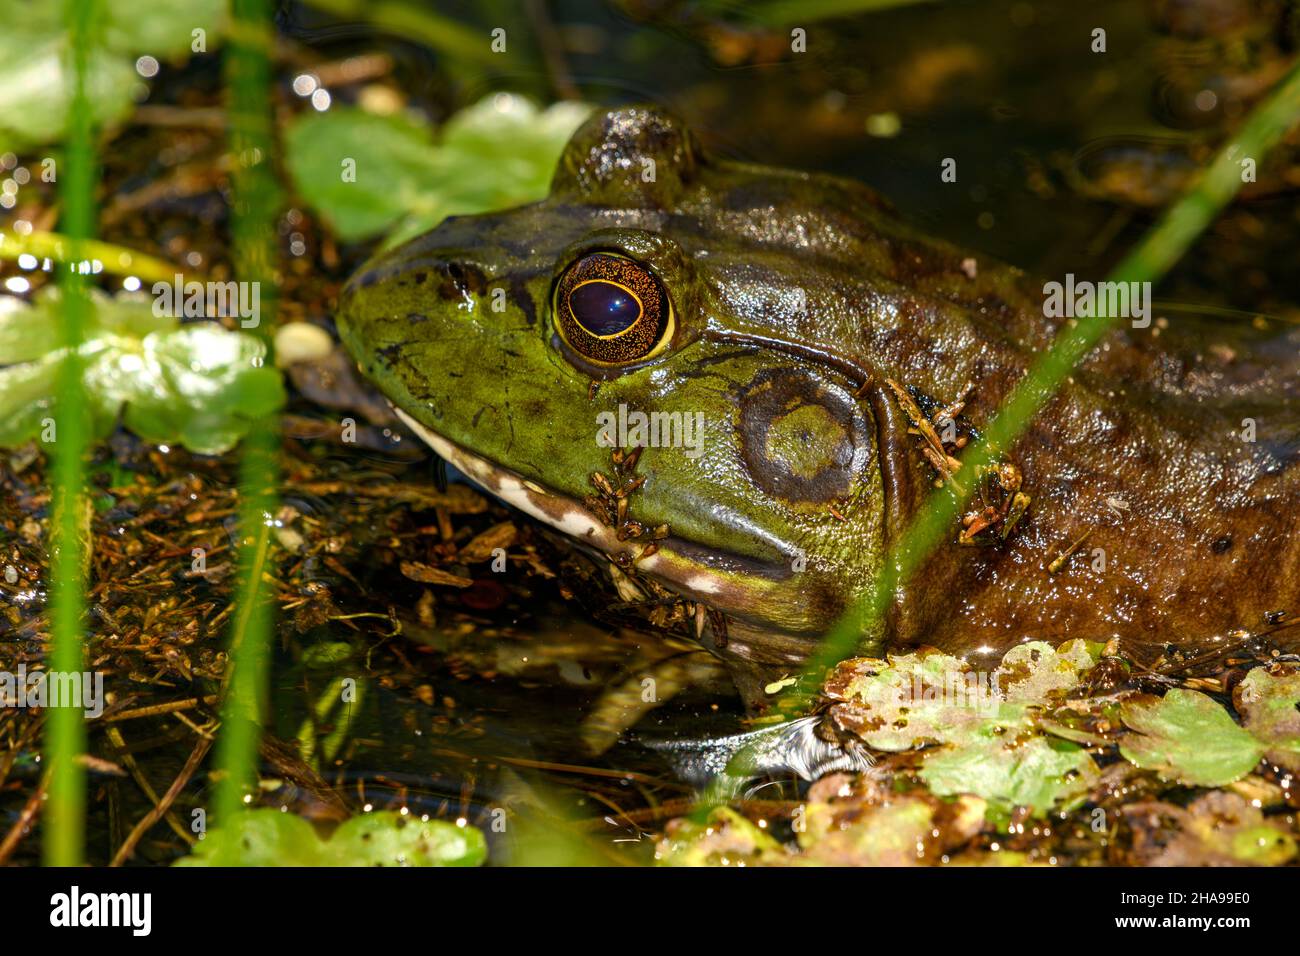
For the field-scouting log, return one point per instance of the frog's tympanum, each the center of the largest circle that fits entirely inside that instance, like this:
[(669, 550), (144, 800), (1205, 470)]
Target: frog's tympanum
[(799, 368)]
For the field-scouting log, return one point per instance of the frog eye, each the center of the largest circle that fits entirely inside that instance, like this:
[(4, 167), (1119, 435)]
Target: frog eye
[(611, 309)]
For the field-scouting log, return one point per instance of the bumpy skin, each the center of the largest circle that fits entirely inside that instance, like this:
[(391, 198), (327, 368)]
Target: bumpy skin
[(796, 297)]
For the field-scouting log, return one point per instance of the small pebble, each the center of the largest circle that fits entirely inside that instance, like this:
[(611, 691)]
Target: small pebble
[(301, 342)]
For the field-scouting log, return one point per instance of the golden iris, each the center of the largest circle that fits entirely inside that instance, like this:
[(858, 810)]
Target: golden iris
[(611, 309)]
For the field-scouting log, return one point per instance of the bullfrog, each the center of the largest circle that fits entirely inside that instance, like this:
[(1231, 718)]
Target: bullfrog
[(742, 382)]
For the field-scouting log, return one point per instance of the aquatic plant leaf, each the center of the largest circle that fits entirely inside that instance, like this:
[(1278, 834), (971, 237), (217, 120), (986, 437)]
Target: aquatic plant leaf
[(36, 89), (859, 821), (1035, 671), (916, 699), (989, 725), (327, 654), (725, 838), (261, 837), (522, 143), (1186, 737), (35, 83), (389, 839), (1217, 829), (1269, 703), (266, 837), (164, 31), (21, 339), (199, 385), (369, 174), (892, 834), (26, 398), (393, 157), (1038, 773)]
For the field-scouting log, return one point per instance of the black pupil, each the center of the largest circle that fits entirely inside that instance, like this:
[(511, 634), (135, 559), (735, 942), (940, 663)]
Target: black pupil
[(603, 308)]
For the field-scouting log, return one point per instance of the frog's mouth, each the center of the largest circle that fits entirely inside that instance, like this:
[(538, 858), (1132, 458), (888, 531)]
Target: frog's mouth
[(678, 563)]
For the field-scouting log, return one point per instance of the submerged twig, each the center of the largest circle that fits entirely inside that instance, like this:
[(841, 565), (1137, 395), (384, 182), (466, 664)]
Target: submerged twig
[(115, 737), (155, 710), (22, 825), (162, 806)]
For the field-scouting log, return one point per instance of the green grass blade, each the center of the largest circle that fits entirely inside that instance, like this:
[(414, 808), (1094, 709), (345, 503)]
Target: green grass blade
[(413, 21), (63, 836), (255, 202), (793, 13)]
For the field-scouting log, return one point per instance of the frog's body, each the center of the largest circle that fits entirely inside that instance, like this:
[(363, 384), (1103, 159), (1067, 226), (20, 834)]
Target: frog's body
[(795, 298)]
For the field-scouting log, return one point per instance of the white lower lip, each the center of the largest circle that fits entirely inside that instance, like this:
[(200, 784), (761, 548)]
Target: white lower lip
[(575, 520)]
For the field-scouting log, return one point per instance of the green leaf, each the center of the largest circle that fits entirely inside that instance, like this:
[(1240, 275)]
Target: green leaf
[(1035, 672), (35, 85), (199, 385), (327, 654), (21, 338), (25, 399), (36, 89), (390, 839), (1037, 773), (209, 387), (394, 163), (985, 723), (891, 834), (1186, 737), (496, 154), (260, 838), (725, 837), (868, 822), (784, 13), (1262, 845), (916, 699), (1270, 706), (165, 31), (266, 837)]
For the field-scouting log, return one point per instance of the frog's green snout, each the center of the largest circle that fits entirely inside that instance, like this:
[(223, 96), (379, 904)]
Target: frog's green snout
[(411, 294)]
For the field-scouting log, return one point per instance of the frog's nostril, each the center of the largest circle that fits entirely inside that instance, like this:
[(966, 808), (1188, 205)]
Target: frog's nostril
[(460, 280)]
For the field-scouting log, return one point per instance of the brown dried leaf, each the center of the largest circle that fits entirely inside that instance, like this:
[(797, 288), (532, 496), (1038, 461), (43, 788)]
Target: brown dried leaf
[(480, 547)]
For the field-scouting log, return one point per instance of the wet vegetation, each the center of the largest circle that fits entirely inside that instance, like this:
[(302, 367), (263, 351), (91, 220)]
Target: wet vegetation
[(243, 493)]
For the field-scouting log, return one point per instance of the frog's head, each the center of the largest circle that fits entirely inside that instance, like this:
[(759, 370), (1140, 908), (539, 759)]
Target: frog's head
[(531, 346)]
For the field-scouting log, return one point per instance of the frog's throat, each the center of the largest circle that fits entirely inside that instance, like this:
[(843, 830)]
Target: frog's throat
[(571, 517)]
